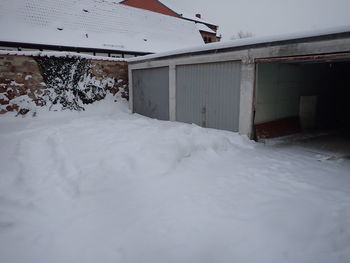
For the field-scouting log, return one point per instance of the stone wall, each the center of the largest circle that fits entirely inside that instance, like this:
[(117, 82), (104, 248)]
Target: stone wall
[(66, 82)]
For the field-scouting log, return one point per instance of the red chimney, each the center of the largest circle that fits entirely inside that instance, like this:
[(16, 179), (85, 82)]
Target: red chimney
[(199, 16)]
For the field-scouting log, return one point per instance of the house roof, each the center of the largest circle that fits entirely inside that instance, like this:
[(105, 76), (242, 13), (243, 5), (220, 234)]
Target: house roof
[(202, 27), (184, 13), (246, 43), (95, 24), (151, 5)]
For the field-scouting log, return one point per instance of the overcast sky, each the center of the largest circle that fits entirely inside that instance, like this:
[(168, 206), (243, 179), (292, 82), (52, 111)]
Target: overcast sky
[(268, 17)]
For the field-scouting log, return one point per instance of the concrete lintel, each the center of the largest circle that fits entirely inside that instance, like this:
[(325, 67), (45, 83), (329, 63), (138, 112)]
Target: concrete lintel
[(295, 49), (211, 58)]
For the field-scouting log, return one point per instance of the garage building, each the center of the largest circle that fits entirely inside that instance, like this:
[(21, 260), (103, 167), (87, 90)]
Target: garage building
[(260, 87)]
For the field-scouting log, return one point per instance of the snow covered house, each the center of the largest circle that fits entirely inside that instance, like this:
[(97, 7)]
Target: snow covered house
[(261, 87), (207, 29), (95, 27)]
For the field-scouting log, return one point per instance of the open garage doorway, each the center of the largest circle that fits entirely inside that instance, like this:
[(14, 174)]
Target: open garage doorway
[(309, 97)]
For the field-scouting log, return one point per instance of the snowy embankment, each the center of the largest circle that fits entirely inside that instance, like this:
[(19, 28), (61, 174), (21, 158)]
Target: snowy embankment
[(107, 186)]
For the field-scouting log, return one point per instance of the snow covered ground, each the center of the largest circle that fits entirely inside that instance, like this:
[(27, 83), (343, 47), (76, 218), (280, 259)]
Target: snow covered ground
[(108, 186)]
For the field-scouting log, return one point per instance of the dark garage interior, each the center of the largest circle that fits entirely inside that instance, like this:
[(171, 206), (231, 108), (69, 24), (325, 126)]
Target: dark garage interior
[(304, 97)]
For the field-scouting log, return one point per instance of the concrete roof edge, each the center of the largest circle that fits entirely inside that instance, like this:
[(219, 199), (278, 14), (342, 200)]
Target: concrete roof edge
[(244, 44)]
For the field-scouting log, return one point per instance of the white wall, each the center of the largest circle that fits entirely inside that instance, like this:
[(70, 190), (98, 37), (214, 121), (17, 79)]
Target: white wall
[(279, 87)]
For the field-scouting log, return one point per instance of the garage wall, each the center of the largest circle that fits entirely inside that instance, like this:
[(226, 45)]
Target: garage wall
[(151, 92), (279, 87)]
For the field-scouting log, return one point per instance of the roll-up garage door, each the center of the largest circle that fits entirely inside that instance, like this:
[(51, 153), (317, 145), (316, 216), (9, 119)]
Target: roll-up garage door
[(151, 92), (209, 94)]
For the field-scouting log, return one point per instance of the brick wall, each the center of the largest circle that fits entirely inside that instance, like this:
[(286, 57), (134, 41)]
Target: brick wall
[(22, 78), (110, 69), (19, 76)]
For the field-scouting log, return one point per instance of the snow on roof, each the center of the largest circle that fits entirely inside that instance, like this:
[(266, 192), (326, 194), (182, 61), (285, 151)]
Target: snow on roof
[(57, 54), (245, 42), (184, 13), (194, 18), (204, 28), (95, 24)]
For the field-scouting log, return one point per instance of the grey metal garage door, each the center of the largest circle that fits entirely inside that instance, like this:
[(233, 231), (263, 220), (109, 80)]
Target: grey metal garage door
[(151, 92), (209, 94)]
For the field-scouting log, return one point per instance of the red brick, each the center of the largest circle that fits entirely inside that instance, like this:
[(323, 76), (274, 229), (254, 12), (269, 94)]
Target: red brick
[(15, 107), (19, 78), (22, 90), (39, 91), (10, 95), (39, 103), (9, 108), (4, 102)]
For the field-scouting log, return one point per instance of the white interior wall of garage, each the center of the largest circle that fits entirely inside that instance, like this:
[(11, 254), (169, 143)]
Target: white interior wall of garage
[(280, 86)]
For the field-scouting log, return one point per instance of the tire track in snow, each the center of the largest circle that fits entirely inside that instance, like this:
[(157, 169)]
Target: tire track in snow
[(65, 172)]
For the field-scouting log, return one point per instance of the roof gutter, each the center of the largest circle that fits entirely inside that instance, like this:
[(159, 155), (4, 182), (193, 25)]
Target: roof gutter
[(69, 48)]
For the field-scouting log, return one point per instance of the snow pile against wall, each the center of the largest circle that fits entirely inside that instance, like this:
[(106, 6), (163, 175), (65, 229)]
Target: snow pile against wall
[(108, 186), (65, 82)]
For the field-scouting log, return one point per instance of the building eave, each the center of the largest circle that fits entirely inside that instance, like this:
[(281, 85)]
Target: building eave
[(214, 48), (69, 48)]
